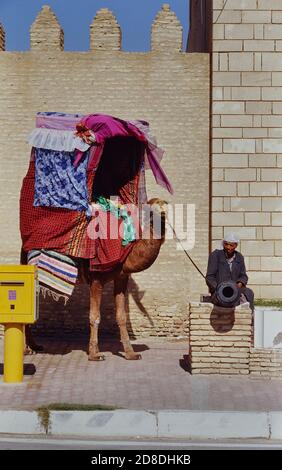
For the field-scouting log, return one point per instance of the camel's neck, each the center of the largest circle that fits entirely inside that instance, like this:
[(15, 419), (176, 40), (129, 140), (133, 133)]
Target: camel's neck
[(154, 229), (146, 250)]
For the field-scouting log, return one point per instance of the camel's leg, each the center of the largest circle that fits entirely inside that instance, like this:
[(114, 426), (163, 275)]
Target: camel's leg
[(96, 290), (120, 286)]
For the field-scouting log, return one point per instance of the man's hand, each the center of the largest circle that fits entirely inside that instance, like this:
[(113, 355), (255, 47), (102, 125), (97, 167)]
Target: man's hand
[(240, 285)]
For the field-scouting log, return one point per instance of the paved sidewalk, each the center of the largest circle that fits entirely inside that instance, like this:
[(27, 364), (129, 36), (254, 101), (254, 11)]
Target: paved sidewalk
[(160, 381)]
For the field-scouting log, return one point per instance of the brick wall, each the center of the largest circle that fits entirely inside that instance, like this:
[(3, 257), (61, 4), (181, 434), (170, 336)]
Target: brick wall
[(168, 88), (266, 362), (247, 135), (220, 342), (219, 339)]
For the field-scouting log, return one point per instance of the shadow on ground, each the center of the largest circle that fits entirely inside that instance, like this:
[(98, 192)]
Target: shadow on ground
[(29, 369), (65, 345)]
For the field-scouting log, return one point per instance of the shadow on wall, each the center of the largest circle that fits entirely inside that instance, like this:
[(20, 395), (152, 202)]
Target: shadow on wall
[(58, 319), (222, 319)]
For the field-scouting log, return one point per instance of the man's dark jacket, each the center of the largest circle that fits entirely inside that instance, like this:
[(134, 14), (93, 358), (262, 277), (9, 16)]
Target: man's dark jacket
[(218, 271)]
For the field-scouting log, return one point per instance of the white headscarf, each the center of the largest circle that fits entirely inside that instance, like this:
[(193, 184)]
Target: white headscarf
[(231, 238)]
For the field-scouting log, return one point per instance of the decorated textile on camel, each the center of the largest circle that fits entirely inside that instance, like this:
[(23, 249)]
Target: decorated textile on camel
[(84, 169), (57, 273)]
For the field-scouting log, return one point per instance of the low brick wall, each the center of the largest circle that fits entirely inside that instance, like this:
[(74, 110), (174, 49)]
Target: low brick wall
[(160, 318), (266, 362), (219, 339)]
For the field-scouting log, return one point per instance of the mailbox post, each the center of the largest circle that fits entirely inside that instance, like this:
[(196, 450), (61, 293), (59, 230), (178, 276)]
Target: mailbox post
[(18, 306)]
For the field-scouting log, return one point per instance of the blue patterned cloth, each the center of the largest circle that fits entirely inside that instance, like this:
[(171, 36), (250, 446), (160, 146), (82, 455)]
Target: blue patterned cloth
[(58, 183)]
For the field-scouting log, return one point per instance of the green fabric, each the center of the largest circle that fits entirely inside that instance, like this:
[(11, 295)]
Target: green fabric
[(118, 212)]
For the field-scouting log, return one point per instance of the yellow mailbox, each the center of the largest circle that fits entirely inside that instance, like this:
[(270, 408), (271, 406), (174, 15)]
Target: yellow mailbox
[(18, 306)]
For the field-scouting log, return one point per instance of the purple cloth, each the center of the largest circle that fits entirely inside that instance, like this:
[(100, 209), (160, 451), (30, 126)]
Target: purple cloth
[(105, 127), (58, 121)]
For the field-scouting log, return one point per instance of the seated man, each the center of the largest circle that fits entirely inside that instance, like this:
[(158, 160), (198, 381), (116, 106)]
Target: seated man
[(227, 264)]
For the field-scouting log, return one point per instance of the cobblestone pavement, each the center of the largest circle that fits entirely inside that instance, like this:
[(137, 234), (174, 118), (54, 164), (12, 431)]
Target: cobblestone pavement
[(159, 381)]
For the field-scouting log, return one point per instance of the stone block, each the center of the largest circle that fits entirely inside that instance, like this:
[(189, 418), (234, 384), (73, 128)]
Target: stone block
[(259, 45), (272, 263), (224, 45), (258, 218), (272, 93), (227, 132), (241, 61), (256, 16), (243, 189), (277, 108), (239, 31), (239, 146), (271, 204), (277, 16), (238, 174), (272, 145), (259, 277), (271, 292), (256, 79), (227, 218), (245, 233), (272, 61), (228, 107), (268, 5), (255, 133), (257, 248), (230, 161), (241, 5), (246, 93), (258, 107), (227, 16), (218, 31), (226, 78), (272, 31), (263, 189), (274, 174), (272, 233), (224, 189)]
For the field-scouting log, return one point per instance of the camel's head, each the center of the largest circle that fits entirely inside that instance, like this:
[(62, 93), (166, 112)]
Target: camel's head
[(158, 205), (158, 210)]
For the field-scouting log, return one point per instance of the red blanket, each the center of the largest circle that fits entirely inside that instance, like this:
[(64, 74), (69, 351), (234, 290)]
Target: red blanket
[(66, 231)]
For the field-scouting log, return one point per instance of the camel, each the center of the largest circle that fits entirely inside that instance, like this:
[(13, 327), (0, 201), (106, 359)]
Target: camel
[(143, 254), (141, 257), (111, 176)]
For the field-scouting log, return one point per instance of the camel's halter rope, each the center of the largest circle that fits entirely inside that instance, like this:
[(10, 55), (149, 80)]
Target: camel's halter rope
[(185, 251)]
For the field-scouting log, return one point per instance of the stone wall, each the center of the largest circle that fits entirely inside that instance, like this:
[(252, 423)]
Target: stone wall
[(247, 135), (220, 342), (219, 339), (266, 362), (165, 86)]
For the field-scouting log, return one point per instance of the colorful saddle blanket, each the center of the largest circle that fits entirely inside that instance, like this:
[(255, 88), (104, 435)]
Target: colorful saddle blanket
[(57, 273)]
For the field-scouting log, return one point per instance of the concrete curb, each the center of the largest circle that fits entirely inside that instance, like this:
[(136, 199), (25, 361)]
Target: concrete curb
[(139, 423)]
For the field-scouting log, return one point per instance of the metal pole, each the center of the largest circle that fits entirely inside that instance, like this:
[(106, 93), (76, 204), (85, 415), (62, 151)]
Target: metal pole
[(13, 352)]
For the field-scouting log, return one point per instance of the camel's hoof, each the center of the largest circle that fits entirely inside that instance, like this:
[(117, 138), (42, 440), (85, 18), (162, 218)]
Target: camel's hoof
[(133, 356), (96, 357), (35, 348), (28, 350)]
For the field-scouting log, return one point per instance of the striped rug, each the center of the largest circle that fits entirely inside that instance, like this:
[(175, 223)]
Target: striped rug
[(57, 273)]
